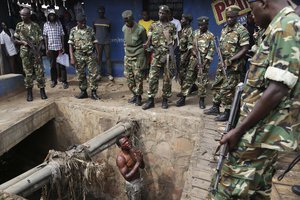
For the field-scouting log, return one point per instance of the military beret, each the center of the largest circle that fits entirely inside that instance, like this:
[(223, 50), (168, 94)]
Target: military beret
[(164, 7), (188, 17), (80, 17), (203, 19), (234, 9), (127, 14)]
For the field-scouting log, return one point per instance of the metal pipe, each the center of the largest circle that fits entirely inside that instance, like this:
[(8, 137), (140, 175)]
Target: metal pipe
[(31, 182)]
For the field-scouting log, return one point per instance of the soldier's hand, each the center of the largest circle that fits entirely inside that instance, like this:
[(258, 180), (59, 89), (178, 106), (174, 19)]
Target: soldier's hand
[(232, 138), (72, 61), (24, 43)]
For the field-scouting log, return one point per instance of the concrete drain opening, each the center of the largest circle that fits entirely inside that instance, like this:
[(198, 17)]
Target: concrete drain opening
[(166, 140)]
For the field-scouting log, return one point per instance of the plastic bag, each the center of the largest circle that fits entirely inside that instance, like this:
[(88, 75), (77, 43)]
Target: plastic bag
[(63, 59)]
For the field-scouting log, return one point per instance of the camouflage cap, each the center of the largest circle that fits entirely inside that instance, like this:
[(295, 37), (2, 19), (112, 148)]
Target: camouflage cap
[(164, 7), (127, 14), (80, 17), (188, 17), (203, 19), (233, 9)]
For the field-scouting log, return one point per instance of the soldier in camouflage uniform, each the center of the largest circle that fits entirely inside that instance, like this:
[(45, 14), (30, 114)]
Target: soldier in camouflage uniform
[(203, 44), (135, 59), (270, 119), (29, 36), (185, 46), (81, 46), (234, 44), (161, 35)]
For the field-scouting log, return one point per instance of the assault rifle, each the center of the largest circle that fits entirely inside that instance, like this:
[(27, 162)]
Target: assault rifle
[(199, 60), (220, 57), (34, 48), (232, 121)]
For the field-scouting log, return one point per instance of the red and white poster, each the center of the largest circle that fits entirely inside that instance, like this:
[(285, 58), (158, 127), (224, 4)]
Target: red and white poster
[(219, 6)]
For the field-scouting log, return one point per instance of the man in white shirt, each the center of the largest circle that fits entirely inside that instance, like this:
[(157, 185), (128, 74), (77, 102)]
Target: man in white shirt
[(8, 46)]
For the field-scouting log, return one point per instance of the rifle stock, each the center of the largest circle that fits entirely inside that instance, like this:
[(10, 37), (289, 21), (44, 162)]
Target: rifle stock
[(232, 121), (220, 57)]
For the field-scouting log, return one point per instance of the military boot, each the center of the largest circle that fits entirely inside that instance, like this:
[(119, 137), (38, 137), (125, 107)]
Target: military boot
[(82, 95), (296, 189), (224, 116), (132, 99), (181, 102), (193, 88), (138, 101), (149, 104), (201, 103), (43, 93), (94, 95), (214, 110), (29, 94), (164, 103)]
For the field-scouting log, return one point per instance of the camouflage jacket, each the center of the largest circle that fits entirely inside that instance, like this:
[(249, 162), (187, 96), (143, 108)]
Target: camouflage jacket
[(32, 34), (231, 41), (134, 38), (276, 59), (162, 35), (82, 40), (186, 39), (205, 44)]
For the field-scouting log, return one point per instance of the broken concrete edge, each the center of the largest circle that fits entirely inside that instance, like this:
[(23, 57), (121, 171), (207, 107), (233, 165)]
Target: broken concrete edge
[(11, 84), (34, 179), (8, 196)]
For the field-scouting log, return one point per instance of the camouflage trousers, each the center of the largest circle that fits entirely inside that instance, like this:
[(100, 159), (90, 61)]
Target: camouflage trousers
[(82, 61), (183, 67), (247, 174), (158, 63), (190, 77), (134, 73), (31, 65), (223, 89), (134, 189)]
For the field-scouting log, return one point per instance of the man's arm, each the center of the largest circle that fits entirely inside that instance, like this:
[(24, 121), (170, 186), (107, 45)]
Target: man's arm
[(272, 96), (240, 53), (126, 173)]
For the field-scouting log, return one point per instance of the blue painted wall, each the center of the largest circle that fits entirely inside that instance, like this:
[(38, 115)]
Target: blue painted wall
[(114, 8)]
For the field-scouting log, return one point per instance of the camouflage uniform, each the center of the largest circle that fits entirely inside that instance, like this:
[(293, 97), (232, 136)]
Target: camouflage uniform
[(185, 46), (206, 47), (162, 35), (248, 172), (83, 41), (135, 58), (30, 60), (231, 41)]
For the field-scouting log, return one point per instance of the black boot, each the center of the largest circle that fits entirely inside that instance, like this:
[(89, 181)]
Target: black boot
[(132, 99), (181, 102), (193, 88), (179, 94), (296, 189), (94, 95), (138, 101), (214, 110), (43, 93), (201, 103), (29, 94), (164, 103), (83, 94), (224, 116), (149, 104)]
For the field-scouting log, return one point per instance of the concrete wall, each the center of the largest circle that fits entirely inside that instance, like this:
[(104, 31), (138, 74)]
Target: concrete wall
[(164, 140)]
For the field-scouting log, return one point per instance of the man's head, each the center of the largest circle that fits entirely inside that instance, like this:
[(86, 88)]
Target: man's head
[(25, 14), (101, 11), (123, 142), (52, 17), (145, 15), (4, 26), (232, 13), (128, 18), (186, 19), (81, 21), (163, 13), (203, 23)]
